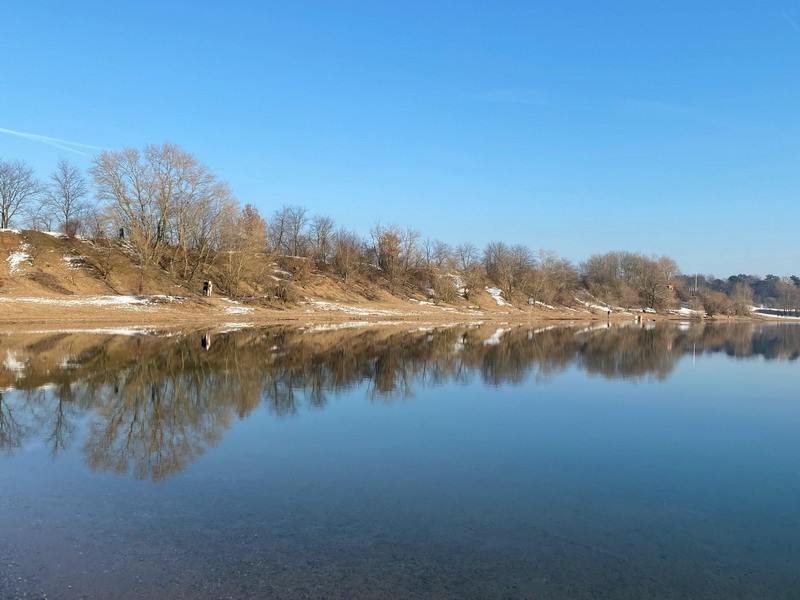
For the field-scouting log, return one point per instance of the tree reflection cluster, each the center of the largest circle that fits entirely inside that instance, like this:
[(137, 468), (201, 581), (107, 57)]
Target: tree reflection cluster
[(149, 405)]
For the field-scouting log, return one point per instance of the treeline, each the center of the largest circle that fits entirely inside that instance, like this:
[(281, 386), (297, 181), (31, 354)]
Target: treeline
[(738, 292), (171, 212)]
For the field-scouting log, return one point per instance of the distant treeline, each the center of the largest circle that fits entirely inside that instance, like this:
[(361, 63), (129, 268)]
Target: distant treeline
[(173, 213)]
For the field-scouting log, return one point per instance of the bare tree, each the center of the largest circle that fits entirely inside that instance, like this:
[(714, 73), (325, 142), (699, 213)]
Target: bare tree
[(163, 198), (508, 266), (553, 279), (741, 299), (277, 230), (386, 250), (629, 278), (244, 238), (66, 197), (409, 249), (442, 253), (295, 224), (469, 268), (321, 235), (18, 189), (346, 254)]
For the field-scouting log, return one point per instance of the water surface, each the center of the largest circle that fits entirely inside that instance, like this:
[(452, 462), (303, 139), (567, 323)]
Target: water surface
[(465, 462)]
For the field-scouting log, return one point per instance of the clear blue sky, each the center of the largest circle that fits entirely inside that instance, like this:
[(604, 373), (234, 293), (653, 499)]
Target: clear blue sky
[(578, 126)]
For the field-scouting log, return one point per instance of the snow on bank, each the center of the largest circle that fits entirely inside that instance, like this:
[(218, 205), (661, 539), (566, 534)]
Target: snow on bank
[(73, 261), (17, 258), (592, 306), (497, 294), (237, 308), (133, 302), (351, 310), (773, 313)]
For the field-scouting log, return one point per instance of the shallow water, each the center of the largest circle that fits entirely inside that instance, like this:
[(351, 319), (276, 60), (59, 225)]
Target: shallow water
[(466, 462)]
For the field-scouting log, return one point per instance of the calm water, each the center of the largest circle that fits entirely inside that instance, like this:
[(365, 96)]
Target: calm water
[(463, 463)]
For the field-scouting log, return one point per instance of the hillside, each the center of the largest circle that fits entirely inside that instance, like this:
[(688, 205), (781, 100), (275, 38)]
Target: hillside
[(46, 276)]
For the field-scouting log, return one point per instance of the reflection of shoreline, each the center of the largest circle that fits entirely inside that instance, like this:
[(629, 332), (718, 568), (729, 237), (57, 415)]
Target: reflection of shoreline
[(158, 402)]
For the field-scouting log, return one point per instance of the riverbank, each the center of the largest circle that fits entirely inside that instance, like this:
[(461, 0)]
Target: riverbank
[(173, 311)]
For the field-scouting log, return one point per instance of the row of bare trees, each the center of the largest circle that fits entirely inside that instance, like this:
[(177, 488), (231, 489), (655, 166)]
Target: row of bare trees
[(62, 199), (174, 213)]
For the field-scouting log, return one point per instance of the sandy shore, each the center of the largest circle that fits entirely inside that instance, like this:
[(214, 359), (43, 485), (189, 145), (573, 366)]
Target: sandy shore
[(159, 311), (103, 311)]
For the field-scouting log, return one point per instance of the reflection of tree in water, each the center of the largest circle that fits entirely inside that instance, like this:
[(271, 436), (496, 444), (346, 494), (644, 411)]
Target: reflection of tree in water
[(161, 411), (631, 353), (156, 403), (12, 430)]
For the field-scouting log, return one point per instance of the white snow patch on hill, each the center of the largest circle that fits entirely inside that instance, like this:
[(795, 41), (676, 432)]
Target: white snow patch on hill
[(73, 261), (351, 310), (122, 301), (17, 258), (237, 309), (594, 306), (497, 294)]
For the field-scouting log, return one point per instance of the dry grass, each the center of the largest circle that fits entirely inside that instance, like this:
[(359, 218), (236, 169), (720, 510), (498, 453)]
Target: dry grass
[(72, 273)]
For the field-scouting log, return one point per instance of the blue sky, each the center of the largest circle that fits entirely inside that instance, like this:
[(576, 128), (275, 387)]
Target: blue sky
[(578, 126)]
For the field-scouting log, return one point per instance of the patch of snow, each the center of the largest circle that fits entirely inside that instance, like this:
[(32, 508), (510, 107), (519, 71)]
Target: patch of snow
[(352, 310), (55, 234), (764, 312), (594, 306), (133, 302), (459, 283), (538, 303), (16, 258), (73, 261), (497, 294), (10, 230), (238, 310)]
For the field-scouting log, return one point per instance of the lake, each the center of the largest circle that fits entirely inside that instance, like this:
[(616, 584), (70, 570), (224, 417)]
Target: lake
[(464, 462)]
